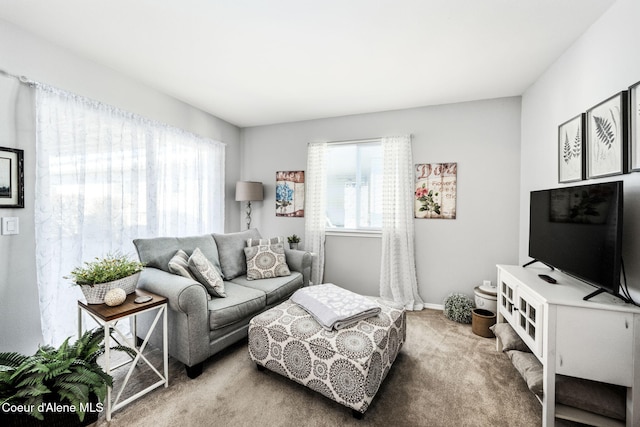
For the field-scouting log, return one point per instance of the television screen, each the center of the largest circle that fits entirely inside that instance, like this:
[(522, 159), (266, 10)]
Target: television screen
[(578, 230)]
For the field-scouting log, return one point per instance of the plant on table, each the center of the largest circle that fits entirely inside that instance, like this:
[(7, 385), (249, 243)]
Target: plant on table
[(293, 239), (103, 270)]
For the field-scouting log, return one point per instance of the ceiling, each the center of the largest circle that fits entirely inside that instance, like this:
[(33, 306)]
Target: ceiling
[(256, 62)]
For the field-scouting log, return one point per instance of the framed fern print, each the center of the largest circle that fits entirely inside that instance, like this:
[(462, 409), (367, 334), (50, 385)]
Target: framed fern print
[(634, 130), (571, 150), (606, 137)]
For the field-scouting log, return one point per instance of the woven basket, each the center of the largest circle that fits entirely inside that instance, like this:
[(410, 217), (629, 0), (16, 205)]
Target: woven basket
[(95, 294)]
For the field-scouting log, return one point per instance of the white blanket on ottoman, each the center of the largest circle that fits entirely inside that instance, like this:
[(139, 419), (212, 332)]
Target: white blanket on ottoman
[(334, 307)]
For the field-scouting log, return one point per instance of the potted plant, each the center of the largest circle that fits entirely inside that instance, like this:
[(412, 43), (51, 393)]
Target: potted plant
[(97, 277), (63, 386), (293, 240)]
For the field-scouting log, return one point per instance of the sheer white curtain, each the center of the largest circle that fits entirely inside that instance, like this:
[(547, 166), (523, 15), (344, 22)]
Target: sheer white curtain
[(398, 268), (315, 207), (105, 177)]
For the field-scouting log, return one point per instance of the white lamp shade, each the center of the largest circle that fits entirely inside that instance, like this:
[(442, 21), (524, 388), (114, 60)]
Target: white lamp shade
[(248, 191)]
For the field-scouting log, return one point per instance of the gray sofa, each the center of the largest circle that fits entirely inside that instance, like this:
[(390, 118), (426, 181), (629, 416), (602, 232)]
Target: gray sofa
[(200, 325)]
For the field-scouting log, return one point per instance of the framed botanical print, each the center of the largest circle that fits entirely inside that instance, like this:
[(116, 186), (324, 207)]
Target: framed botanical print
[(606, 137), (634, 128), (11, 178), (571, 159)]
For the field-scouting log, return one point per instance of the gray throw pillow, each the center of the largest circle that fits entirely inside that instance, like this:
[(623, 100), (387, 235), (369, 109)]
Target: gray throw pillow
[(271, 241), (206, 273), (266, 261), (179, 265), (231, 252), (508, 337), (530, 368)]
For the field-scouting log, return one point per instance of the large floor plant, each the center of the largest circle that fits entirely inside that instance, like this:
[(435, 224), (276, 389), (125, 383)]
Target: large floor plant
[(69, 375)]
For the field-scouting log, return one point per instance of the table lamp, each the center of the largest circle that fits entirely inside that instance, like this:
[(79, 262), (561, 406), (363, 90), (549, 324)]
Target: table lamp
[(248, 191)]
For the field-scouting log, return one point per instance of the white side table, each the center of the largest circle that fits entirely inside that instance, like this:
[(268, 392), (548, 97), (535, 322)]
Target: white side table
[(108, 317)]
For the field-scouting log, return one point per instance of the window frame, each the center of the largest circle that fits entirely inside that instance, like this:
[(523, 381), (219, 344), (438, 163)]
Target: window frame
[(354, 232)]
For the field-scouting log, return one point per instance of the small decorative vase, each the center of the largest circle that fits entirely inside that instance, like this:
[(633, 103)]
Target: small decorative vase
[(293, 246), (95, 294)]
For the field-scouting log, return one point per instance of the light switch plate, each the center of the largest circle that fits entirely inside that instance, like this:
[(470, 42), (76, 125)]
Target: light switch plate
[(10, 225)]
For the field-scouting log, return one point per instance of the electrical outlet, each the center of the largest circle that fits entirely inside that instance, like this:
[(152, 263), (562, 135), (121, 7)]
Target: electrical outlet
[(486, 283)]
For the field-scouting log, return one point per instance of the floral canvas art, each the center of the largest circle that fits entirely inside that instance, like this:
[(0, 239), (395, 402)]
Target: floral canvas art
[(290, 193), (435, 191)]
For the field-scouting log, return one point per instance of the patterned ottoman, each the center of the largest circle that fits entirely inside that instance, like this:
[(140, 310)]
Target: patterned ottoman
[(346, 366)]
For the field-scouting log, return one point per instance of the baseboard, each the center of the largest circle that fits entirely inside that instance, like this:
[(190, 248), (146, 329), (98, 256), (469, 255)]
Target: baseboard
[(434, 306)]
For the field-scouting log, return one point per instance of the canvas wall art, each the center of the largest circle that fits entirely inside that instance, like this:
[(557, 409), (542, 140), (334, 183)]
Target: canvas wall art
[(290, 193), (435, 191)]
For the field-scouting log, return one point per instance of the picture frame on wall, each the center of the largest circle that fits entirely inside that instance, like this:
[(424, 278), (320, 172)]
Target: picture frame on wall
[(571, 159), (606, 137), (11, 178), (290, 193), (435, 190), (634, 129)]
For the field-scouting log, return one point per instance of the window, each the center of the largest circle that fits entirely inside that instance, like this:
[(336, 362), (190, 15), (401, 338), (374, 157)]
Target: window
[(105, 177), (354, 186)]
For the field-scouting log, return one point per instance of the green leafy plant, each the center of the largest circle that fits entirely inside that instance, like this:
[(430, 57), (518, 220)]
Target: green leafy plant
[(457, 307), (102, 270), (69, 374), (293, 239)]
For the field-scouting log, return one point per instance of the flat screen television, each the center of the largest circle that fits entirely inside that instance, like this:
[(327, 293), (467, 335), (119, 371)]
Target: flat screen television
[(578, 230)]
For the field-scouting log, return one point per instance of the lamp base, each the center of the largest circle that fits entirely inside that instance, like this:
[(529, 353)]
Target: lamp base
[(248, 217)]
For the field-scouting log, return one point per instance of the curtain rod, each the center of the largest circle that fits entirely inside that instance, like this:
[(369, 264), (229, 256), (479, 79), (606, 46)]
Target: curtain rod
[(21, 79), (353, 141)]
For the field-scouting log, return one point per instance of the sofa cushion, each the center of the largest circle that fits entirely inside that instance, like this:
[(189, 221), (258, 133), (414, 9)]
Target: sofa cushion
[(266, 261), (241, 302), (277, 288), (157, 252), (205, 273), (231, 252)]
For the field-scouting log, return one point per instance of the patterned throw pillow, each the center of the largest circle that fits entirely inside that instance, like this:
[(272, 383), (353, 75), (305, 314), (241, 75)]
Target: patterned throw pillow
[(271, 241), (266, 260), (179, 265), (205, 273)]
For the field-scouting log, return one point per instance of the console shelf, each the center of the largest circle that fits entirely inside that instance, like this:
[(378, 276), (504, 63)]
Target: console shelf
[(597, 340)]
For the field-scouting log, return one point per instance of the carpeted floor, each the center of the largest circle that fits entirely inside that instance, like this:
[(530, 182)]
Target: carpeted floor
[(444, 376)]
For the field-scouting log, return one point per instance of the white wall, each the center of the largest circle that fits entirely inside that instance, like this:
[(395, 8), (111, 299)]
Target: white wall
[(24, 54), (601, 63), (452, 255)]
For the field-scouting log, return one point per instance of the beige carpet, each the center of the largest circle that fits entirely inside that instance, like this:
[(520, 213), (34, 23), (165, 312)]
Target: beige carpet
[(444, 376)]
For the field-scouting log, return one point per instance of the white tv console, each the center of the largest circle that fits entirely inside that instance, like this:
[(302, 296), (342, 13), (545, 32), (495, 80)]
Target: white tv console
[(597, 339)]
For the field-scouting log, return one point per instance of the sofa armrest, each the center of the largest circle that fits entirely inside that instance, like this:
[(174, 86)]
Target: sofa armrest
[(188, 314), (300, 261), (184, 294)]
